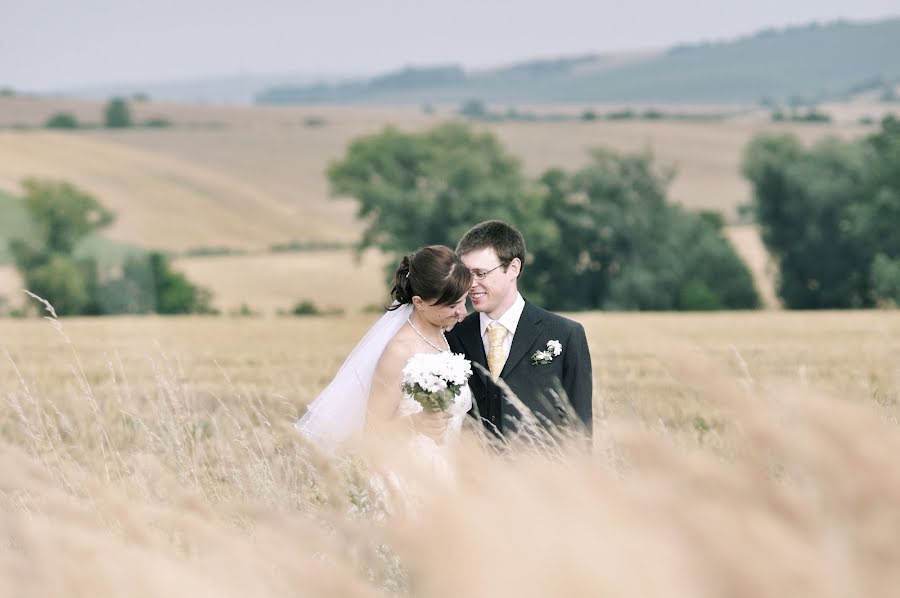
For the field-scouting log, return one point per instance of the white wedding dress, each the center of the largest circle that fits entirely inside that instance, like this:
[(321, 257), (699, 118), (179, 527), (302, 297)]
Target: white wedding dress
[(339, 412), (437, 457)]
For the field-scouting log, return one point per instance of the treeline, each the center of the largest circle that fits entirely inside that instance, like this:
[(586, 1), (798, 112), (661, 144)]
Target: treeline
[(48, 248), (117, 114), (814, 61), (600, 237), (475, 109), (830, 216)]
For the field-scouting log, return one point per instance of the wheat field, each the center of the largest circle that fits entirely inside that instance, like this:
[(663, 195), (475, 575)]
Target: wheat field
[(735, 454), (747, 454), (268, 164)]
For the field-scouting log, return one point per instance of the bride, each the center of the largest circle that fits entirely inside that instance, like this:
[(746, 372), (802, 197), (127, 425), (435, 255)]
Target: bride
[(429, 294)]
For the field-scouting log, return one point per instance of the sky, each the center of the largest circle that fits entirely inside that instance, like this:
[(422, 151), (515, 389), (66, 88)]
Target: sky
[(48, 45)]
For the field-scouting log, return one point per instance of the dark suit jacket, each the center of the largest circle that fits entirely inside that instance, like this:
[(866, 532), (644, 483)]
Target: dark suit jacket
[(532, 384)]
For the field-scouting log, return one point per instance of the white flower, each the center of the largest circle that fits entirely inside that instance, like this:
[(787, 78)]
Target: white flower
[(554, 349), (435, 379)]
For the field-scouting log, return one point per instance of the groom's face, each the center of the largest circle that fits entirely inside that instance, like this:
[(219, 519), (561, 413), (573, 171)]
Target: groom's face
[(496, 292)]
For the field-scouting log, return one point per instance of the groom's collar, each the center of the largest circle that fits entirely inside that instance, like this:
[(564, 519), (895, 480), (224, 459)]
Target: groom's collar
[(509, 320)]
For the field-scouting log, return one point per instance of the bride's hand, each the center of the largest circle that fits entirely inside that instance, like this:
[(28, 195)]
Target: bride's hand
[(431, 423)]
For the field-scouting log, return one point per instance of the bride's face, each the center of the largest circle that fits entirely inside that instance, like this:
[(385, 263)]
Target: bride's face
[(445, 316)]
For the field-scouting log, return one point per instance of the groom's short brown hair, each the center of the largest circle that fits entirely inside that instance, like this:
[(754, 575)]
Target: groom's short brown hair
[(503, 238)]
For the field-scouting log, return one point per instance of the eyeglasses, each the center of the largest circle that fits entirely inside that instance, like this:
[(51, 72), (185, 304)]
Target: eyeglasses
[(482, 274)]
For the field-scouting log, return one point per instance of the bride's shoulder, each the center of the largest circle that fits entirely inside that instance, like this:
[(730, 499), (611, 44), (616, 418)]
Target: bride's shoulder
[(399, 350)]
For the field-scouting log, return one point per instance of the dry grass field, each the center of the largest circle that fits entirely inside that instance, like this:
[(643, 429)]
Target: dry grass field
[(332, 280), (745, 455), (637, 357), (276, 162), (161, 201)]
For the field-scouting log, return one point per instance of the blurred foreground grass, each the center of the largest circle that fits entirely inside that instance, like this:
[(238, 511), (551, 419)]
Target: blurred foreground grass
[(156, 457)]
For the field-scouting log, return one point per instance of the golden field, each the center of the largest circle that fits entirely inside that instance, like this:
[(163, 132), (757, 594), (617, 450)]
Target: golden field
[(637, 357), (744, 454), (266, 164), (735, 454)]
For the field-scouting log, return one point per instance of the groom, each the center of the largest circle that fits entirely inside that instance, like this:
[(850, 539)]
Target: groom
[(538, 354)]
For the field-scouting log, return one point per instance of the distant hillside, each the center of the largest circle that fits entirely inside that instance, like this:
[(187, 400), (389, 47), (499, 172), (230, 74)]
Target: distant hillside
[(811, 62), (236, 89)]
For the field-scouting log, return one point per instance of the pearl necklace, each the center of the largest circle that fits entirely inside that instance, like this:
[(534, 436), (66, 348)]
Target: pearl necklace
[(424, 338)]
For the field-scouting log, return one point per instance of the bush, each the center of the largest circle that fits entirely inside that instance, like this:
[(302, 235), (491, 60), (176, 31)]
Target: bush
[(314, 122), (117, 114), (60, 281), (697, 296), (62, 120), (212, 251), (813, 116), (148, 285), (157, 122), (473, 109), (244, 311), (625, 114), (306, 307), (297, 246)]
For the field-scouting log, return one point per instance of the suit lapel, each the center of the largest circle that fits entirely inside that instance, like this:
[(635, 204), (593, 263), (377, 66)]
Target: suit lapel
[(527, 331), (470, 338)]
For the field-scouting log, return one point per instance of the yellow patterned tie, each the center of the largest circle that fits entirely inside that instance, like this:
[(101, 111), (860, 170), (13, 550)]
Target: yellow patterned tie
[(496, 354)]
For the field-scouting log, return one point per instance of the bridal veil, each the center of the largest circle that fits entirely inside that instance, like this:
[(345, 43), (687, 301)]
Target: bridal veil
[(339, 411)]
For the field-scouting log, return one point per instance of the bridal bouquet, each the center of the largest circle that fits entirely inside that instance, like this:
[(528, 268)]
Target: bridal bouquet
[(434, 380)]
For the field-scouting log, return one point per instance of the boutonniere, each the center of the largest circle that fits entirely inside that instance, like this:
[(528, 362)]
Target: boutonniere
[(554, 349)]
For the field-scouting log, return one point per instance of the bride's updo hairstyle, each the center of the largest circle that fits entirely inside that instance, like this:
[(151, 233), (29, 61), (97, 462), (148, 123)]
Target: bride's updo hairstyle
[(434, 273)]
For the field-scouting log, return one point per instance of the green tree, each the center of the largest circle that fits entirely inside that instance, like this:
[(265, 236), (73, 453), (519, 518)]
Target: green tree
[(174, 293), (886, 280), (62, 120), (149, 285), (117, 114), (61, 217), (826, 212), (62, 214), (601, 237), (61, 281), (623, 246), (423, 188)]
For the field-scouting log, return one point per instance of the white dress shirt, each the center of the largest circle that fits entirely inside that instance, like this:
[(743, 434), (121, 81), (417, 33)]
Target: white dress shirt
[(509, 320)]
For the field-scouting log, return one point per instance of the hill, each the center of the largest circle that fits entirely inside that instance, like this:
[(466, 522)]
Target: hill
[(813, 62), (245, 178), (160, 200)]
